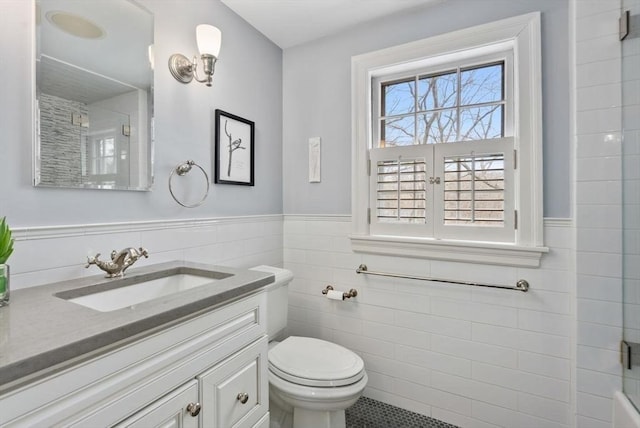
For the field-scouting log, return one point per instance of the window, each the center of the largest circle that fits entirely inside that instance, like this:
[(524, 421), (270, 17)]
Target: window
[(449, 174), (447, 151), (442, 107)]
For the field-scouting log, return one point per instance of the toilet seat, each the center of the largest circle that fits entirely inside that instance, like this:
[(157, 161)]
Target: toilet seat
[(314, 362)]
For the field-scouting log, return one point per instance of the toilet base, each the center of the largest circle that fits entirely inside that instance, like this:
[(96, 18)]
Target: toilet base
[(296, 417), (280, 414), (314, 418)]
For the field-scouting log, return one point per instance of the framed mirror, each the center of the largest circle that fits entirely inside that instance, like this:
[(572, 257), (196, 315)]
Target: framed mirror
[(94, 95)]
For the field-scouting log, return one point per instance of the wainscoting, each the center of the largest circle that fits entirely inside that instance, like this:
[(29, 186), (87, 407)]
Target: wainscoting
[(468, 356), (49, 254)]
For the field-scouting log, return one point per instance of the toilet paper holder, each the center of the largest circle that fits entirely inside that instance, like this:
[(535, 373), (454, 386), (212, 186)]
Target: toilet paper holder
[(346, 295)]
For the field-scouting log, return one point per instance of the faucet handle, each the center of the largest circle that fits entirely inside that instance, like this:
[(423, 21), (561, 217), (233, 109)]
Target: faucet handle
[(92, 260)]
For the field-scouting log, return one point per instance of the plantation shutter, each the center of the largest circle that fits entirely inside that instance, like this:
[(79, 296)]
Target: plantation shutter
[(462, 190), (475, 199), (399, 191)]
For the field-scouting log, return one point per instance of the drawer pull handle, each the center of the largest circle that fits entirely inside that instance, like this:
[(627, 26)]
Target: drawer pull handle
[(194, 409), (243, 397)]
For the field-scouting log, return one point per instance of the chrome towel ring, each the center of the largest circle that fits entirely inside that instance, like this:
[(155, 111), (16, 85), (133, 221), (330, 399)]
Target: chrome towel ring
[(182, 169)]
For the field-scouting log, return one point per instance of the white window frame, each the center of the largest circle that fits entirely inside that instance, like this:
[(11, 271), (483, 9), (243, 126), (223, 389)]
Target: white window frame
[(521, 35)]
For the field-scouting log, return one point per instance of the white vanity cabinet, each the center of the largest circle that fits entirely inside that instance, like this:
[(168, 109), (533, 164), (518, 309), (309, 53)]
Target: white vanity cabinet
[(209, 370)]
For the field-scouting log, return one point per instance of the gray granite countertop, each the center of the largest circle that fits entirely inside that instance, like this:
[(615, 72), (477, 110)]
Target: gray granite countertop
[(41, 333)]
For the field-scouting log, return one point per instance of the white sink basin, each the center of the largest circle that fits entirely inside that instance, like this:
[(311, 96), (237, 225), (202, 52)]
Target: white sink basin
[(122, 297)]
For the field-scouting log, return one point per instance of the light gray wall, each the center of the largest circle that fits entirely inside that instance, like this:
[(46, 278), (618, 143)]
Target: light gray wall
[(248, 83), (317, 97)]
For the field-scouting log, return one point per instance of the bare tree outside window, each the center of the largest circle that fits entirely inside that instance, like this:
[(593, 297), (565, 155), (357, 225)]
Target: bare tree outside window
[(461, 105)]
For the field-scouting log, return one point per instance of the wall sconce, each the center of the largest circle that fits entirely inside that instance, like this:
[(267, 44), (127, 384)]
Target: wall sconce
[(209, 39)]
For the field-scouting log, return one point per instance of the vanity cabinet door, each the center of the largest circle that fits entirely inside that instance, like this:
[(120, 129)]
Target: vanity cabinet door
[(235, 392), (262, 423), (178, 409)]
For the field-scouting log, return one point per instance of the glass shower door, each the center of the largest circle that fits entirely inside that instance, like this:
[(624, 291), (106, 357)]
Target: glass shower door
[(631, 196)]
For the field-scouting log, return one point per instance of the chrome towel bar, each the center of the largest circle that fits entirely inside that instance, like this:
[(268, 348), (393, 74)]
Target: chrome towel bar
[(521, 285)]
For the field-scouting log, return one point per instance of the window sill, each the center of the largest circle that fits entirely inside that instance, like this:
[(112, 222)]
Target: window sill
[(450, 250)]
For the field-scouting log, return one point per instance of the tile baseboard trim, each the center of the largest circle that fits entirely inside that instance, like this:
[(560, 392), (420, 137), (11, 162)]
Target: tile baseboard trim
[(51, 232), (58, 231), (318, 217), (548, 221)]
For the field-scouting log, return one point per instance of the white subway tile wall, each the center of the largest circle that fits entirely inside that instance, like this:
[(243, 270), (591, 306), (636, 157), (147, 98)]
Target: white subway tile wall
[(598, 210), (471, 356), (50, 254)]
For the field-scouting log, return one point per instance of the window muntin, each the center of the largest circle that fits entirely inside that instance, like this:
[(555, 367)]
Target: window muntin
[(466, 103)]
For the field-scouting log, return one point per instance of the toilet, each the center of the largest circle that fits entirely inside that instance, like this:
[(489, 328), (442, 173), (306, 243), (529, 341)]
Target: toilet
[(311, 381)]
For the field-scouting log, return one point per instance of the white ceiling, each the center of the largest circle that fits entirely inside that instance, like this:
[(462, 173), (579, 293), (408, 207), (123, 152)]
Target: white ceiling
[(292, 22)]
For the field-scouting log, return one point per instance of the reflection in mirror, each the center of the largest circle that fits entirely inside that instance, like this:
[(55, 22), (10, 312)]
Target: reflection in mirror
[(94, 95)]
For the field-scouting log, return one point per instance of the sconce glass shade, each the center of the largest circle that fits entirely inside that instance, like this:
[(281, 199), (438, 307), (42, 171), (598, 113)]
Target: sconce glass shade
[(209, 39)]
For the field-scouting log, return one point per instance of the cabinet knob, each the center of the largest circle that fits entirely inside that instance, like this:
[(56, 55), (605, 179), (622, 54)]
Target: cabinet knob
[(194, 409), (243, 397)]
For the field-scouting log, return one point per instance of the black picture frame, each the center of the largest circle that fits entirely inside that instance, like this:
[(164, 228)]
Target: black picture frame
[(234, 149)]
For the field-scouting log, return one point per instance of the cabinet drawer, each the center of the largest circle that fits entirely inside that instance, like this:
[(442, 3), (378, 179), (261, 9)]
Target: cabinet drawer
[(235, 392), (168, 412)]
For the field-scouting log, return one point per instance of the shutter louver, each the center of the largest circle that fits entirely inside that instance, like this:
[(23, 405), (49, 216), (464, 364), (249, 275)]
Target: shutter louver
[(401, 191), (474, 192)]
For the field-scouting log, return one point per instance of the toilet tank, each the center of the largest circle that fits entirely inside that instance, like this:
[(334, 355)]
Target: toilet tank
[(277, 299)]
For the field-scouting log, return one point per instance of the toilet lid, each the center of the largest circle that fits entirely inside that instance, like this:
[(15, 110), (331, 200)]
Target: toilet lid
[(315, 362)]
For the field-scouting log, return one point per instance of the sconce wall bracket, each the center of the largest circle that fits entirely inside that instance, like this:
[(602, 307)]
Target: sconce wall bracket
[(181, 68)]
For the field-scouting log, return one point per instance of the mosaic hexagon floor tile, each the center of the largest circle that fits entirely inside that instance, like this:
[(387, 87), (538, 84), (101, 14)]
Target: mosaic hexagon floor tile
[(369, 413)]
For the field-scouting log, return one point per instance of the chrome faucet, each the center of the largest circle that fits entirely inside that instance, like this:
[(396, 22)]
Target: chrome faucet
[(119, 262)]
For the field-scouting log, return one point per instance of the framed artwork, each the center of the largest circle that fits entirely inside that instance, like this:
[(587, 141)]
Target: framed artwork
[(234, 151)]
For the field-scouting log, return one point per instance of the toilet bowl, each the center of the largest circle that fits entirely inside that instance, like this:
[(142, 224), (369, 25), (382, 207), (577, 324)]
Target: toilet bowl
[(311, 381)]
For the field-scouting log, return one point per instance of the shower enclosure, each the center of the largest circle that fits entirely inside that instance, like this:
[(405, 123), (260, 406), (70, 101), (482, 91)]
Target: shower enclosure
[(631, 197)]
